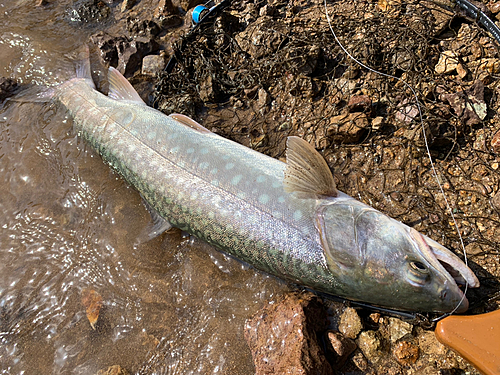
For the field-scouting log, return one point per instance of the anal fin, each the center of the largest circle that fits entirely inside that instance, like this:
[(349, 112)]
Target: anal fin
[(156, 227)]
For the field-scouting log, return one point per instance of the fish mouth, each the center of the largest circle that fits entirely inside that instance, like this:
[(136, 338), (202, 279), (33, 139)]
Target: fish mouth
[(462, 274), (443, 258)]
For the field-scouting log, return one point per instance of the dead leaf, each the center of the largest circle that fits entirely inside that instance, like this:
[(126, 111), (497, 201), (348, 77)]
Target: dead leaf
[(93, 303), (469, 105)]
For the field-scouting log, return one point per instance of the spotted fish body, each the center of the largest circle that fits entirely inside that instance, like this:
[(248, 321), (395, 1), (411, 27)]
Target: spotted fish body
[(286, 219)]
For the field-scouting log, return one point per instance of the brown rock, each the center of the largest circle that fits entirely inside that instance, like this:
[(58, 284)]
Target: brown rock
[(370, 344), (495, 143), (282, 336), (122, 52), (113, 370), (165, 8), (342, 346), (188, 4), (406, 353), (359, 103), (350, 323), (348, 128), (469, 104), (448, 61)]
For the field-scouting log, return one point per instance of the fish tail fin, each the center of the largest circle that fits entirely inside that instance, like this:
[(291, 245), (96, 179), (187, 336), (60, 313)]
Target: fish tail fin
[(82, 65), (78, 66)]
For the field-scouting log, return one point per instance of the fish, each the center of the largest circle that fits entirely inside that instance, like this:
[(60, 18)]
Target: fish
[(284, 218)]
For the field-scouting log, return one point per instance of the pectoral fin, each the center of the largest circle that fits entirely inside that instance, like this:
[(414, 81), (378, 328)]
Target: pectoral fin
[(306, 171)]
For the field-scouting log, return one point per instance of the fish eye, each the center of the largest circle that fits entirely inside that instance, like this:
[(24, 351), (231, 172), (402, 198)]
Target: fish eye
[(419, 267)]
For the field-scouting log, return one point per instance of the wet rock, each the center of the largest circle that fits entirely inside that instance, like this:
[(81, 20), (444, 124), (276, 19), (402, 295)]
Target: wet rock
[(88, 11), (406, 353), (371, 346), (448, 61), (303, 60), (397, 329), (342, 346), (348, 128), (124, 53), (495, 143), (282, 336), (113, 370), (127, 4), (263, 98), (188, 4), (8, 87), (165, 8), (359, 103), (153, 65), (350, 323), (469, 105), (145, 28), (360, 362)]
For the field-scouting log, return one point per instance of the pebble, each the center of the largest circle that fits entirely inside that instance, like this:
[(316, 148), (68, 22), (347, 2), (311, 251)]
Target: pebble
[(406, 353), (342, 346), (370, 344), (350, 323), (495, 143), (152, 65), (448, 62), (398, 329)]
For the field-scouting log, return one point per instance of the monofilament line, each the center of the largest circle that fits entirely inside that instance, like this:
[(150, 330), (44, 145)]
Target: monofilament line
[(417, 102)]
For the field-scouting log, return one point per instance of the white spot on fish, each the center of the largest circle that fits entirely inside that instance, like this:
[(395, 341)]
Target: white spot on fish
[(281, 199), (241, 195), (190, 150), (264, 198), (215, 182), (174, 150), (214, 171), (204, 151), (236, 179), (297, 215), (229, 165), (204, 165), (276, 184), (261, 178)]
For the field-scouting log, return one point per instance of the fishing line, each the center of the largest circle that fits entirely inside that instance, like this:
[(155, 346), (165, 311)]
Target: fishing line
[(417, 102)]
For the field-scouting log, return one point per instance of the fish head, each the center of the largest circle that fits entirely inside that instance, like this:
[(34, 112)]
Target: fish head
[(386, 263)]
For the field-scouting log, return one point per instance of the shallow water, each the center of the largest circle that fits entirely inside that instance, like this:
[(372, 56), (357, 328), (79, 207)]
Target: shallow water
[(170, 306)]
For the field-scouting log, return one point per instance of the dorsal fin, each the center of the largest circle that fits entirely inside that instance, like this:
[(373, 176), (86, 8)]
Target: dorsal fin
[(306, 171), (120, 88), (189, 122)]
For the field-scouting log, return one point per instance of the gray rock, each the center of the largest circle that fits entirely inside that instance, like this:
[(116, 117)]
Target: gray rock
[(153, 65)]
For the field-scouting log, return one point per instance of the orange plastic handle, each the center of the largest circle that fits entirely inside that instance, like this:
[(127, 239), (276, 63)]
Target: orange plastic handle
[(474, 337)]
